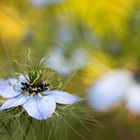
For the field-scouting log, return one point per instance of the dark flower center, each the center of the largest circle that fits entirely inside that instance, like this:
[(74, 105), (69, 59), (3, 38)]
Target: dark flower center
[(32, 88)]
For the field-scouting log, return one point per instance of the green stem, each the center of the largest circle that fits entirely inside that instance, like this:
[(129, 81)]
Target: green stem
[(9, 133), (27, 129), (43, 130)]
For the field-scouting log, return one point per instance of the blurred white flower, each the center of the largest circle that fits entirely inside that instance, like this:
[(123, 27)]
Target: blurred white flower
[(113, 88), (40, 3), (64, 33), (63, 65)]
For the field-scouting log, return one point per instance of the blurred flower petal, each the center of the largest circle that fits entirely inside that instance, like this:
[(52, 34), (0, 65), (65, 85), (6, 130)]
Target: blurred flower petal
[(63, 65), (41, 3), (58, 62), (109, 90), (133, 99)]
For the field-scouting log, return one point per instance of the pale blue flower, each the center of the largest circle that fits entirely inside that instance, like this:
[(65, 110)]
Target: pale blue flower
[(39, 102), (116, 87), (64, 33), (40, 3), (59, 62)]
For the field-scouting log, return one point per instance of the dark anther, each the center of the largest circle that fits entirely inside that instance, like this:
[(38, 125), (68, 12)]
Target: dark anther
[(22, 83), (34, 88), (23, 88)]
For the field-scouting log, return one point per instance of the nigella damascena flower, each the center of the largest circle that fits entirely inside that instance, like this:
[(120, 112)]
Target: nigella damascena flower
[(36, 98), (115, 87), (64, 65)]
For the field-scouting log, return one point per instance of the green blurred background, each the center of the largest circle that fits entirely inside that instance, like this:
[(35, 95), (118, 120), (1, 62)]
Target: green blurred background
[(107, 32)]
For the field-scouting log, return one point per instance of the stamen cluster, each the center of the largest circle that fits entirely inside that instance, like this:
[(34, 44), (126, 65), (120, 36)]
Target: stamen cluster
[(32, 88)]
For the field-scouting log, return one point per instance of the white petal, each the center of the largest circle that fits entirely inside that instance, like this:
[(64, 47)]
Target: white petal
[(109, 90), (23, 78), (12, 81), (13, 102), (133, 99), (16, 84), (40, 107), (7, 90), (62, 97)]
